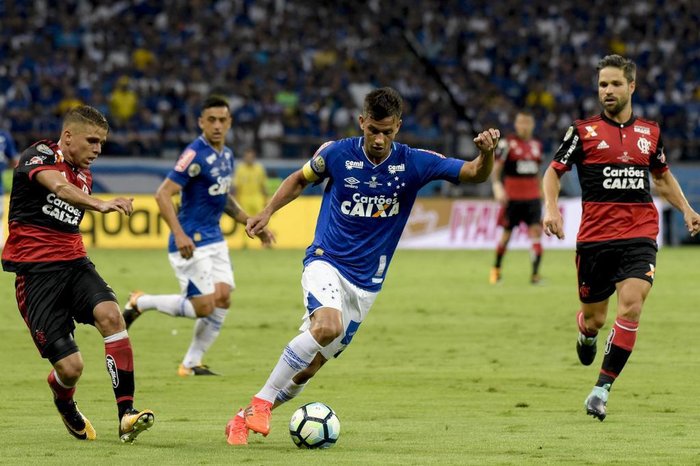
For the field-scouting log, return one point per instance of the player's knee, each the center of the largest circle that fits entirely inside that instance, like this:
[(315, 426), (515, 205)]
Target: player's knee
[(326, 331), (630, 310), (108, 319), (69, 371), (223, 302), (594, 322), (72, 373), (204, 308)]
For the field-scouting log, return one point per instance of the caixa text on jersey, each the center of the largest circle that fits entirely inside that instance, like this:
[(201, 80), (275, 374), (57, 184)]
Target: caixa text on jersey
[(370, 206), (61, 210)]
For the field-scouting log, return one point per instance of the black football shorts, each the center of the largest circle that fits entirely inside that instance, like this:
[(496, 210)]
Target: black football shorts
[(600, 268), (50, 302), (517, 212)]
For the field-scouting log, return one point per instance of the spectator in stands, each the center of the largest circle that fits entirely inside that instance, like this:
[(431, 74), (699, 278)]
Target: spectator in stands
[(532, 52), (123, 103)]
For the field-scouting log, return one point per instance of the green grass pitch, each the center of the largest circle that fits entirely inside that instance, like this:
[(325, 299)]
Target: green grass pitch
[(446, 370)]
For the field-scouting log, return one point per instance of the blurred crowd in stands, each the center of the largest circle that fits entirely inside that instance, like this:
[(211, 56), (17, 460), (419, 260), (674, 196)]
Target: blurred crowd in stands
[(295, 71)]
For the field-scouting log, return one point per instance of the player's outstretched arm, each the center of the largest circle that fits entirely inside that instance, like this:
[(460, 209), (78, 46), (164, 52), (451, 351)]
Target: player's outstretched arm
[(55, 182), (290, 189), (499, 192), (479, 169), (234, 210), (552, 221), (164, 198), (667, 186)]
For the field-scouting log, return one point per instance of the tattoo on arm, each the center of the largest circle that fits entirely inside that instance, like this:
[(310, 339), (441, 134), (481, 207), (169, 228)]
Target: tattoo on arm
[(234, 210), (231, 208)]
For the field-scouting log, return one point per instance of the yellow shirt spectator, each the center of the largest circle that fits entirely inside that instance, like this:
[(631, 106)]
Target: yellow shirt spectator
[(123, 102), (249, 182)]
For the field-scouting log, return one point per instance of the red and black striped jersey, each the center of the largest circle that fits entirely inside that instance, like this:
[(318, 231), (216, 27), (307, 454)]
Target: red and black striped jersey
[(521, 161), (43, 229), (613, 161)]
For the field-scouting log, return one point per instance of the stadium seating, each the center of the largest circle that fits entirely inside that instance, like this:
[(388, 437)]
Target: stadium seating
[(295, 71)]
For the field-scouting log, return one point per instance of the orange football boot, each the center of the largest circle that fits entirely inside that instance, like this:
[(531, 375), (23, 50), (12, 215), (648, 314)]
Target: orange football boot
[(236, 430), (257, 416)]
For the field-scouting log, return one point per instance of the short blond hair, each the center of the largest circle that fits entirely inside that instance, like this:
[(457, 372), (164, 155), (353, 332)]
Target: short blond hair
[(84, 114)]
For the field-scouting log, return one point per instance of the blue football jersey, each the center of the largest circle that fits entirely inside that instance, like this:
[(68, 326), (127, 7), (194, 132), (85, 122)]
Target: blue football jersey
[(205, 177), (366, 206), (8, 152)]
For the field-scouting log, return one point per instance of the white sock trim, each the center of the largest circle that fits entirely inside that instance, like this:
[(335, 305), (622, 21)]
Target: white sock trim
[(60, 382), (625, 328), (117, 336)]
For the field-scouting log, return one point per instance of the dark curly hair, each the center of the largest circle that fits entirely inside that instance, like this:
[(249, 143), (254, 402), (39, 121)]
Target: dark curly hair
[(381, 103)]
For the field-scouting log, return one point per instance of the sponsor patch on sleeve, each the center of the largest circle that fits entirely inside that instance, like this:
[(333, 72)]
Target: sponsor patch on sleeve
[(568, 134), (184, 161), (36, 160), (194, 169), (44, 149), (432, 152)]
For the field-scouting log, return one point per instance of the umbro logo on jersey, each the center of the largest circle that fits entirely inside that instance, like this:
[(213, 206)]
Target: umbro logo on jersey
[(350, 164), (211, 159), (351, 182), (603, 145)]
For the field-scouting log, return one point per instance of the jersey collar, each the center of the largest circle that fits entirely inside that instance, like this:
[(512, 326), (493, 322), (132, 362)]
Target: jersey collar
[(609, 121), (372, 164), (204, 140)]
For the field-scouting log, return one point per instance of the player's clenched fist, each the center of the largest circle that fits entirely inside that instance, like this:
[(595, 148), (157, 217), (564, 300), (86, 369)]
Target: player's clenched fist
[(487, 140)]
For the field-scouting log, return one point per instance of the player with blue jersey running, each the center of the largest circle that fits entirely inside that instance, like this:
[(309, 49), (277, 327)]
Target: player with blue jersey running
[(372, 185), (197, 249), (8, 159)]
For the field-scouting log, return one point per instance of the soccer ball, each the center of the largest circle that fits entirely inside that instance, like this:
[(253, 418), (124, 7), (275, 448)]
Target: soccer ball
[(314, 425)]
